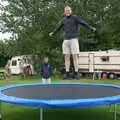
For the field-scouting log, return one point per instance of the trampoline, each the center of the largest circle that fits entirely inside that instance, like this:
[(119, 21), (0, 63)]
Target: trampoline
[(61, 95)]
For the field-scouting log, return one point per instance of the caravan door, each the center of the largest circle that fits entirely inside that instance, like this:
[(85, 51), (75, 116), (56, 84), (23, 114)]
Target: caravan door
[(91, 62)]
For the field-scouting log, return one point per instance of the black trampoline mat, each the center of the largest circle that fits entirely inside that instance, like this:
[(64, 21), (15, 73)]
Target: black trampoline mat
[(61, 91)]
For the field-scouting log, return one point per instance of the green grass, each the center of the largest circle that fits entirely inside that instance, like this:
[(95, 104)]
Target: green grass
[(14, 112)]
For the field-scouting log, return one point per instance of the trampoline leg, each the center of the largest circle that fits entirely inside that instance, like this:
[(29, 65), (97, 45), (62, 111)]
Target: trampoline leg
[(115, 113), (111, 108), (41, 114), (0, 110)]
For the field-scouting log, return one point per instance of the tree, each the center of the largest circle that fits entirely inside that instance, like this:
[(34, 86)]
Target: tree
[(32, 20)]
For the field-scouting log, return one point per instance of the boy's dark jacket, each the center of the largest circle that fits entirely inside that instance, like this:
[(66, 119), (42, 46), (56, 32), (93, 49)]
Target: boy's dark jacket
[(45, 70)]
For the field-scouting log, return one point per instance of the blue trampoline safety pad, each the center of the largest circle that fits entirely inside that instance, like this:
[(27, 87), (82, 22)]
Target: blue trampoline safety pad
[(61, 95)]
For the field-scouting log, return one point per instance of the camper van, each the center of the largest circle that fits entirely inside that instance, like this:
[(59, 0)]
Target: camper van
[(105, 62), (18, 63)]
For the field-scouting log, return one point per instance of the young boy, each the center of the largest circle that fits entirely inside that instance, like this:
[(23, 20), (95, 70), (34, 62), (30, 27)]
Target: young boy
[(46, 71)]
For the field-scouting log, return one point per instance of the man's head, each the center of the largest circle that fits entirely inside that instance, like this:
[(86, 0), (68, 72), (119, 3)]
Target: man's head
[(68, 10), (45, 59)]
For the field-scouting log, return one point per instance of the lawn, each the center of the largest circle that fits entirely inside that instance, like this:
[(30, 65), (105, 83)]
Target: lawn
[(14, 112)]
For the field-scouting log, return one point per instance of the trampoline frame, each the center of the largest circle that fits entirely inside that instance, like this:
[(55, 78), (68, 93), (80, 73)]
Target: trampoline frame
[(112, 107)]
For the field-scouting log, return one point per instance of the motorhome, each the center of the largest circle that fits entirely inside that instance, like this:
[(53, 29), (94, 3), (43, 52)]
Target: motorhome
[(18, 63)]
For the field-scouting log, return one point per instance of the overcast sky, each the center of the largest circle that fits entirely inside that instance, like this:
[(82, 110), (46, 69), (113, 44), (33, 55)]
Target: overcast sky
[(6, 35)]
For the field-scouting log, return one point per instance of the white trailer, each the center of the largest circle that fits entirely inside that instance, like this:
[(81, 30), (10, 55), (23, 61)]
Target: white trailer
[(105, 62), (18, 63)]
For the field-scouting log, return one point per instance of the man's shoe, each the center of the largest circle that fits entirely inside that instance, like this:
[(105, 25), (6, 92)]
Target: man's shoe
[(77, 75), (66, 75)]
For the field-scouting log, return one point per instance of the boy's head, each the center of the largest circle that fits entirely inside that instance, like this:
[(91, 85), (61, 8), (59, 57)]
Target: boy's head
[(45, 59)]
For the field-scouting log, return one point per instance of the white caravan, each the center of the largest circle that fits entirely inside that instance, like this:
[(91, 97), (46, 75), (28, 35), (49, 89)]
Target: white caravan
[(105, 62), (19, 62)]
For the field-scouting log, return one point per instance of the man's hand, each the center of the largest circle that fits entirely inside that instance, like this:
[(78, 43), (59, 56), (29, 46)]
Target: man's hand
[(51, 34), (94, 29)]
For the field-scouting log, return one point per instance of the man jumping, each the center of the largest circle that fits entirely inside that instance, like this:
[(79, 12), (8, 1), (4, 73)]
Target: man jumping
[(70, 44)]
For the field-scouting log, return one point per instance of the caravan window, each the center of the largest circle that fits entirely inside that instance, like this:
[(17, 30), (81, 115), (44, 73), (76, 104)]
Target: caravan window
[(14, 62), (105, 58), (25, 60)]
